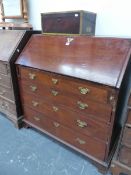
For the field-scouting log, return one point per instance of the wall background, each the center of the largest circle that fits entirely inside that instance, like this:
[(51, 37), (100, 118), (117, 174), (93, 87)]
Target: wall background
[(113, 16)]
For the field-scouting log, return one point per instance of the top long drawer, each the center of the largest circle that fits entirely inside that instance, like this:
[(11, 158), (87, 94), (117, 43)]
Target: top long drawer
[(75, 86)]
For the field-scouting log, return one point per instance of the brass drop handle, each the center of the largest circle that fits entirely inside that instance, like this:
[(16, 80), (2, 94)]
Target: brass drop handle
[(54, 81), (55, 93), (37, 119), (81, 124), (55, 109), (32, 76), (2, 93), (33, 88), (35, 104), (82, 105), (83, 90), (81, 142), (56, 124), (4, 106)]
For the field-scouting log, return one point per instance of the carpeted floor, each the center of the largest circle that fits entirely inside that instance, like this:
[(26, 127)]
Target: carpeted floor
[(27, 152)]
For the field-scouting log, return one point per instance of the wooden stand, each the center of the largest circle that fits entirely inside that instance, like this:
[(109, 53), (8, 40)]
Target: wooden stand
[(11, 25), (24, 25)]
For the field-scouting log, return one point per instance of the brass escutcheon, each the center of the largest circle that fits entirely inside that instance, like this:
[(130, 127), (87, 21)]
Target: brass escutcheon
[(37, 118), (32, 76), (84, 90), (55, 81), (81, 142), (81, 124), (33, 88), (82, 105), (55, 93), (55, 109), (35, 104), (56, 124)]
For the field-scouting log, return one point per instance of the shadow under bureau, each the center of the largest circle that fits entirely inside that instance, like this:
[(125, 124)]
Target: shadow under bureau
[(69, 87), (11, 44)]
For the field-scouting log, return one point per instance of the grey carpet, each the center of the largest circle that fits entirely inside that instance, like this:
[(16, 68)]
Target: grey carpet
[(27, 152)]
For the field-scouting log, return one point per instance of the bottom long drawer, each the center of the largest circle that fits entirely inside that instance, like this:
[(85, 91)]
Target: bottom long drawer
[(87, 144)]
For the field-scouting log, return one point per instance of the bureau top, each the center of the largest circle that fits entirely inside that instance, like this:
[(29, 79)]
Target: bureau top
[(100, 60), (9, 40)]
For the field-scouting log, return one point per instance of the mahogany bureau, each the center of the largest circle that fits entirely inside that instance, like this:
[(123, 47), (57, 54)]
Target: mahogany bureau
[(69, 87), (11, 44)]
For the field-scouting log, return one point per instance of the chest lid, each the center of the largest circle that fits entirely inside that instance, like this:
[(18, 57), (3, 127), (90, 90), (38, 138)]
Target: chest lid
[(9, 40), (100, 60)]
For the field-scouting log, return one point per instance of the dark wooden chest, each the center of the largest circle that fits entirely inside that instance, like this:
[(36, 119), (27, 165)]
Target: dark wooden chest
[(77, 22), (11, 45), (70, 90)]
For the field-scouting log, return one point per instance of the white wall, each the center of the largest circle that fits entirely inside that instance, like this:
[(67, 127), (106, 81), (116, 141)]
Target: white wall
[(113, 16)]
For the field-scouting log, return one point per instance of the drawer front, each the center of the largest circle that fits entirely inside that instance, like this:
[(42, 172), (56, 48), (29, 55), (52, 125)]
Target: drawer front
[(73, 86), (93, 110), (79, 122), (38, 119), (61, 23), (125, 156), (7, 106), (129, 116), (4, 68), (5, 80), (127, 137), (7, 93), (85, 143)]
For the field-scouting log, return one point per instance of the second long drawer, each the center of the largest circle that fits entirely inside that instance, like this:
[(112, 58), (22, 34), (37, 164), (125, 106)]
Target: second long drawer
[(96, 110), (83, 123)]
